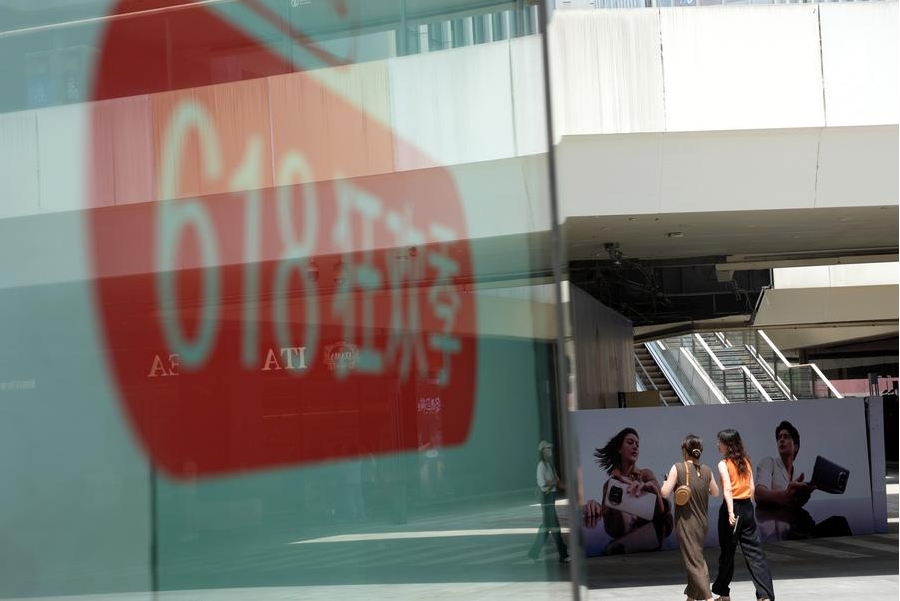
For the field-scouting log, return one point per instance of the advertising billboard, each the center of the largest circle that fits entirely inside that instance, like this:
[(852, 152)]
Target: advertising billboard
[(831, 462)]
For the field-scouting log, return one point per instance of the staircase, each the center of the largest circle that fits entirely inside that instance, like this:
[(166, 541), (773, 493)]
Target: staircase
[(725, 367), (735, 356), (647, 369)]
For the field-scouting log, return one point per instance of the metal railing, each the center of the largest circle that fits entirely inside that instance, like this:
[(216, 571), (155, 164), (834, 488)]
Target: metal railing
[(804, 380), (699, 376), (469, 30), (689, 381), (799, 381), (745, 354), (643, 379), (737, 382)]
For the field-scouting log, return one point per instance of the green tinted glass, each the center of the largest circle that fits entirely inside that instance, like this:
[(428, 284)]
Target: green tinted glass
[(280, 300)]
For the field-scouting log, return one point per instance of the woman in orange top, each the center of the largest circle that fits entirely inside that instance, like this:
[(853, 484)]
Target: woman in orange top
[(737, 522)]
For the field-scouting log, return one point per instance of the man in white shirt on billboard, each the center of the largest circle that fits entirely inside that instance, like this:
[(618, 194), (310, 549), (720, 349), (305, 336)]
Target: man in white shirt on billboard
[(780, 492)]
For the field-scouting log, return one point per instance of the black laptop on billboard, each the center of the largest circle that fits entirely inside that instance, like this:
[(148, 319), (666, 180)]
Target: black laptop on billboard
[(829, 477)]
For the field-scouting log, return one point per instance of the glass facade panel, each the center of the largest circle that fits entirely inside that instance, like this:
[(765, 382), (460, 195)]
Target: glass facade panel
[(266, 291)]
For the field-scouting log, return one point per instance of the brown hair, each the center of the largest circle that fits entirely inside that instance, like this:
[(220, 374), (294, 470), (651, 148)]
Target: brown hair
[(692, 445), (608, 456), (734, 449)]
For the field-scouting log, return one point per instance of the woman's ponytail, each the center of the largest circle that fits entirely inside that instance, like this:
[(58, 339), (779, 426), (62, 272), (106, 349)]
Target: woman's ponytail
[(692, 445)]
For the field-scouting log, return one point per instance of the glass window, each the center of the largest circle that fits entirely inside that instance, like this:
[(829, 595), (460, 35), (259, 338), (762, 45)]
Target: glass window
[(268, 303)]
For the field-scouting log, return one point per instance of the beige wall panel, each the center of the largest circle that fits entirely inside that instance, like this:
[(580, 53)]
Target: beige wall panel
[(515, 318), (529, 102), (797, 338), (687, 172), (861, 63), (607, 71), (604, 346), (62, 140), (858, 166), (335, 118), (454, 107), (800, 306), (19, 192), (739, 170), (609, 175), (741, 67), (506, 197)]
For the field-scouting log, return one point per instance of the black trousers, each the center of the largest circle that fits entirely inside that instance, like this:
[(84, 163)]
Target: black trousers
[(549, 525), (748, 538)]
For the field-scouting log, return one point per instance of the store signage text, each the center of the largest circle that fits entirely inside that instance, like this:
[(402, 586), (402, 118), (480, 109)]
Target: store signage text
[(269, 241), (291, 357)]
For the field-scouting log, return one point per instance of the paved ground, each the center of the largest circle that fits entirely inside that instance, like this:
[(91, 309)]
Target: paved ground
[(863, 568), (858, 568), (479, 553), (853, 568)]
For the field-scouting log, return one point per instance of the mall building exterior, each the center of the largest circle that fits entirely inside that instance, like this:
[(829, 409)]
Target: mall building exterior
[(327, 272)]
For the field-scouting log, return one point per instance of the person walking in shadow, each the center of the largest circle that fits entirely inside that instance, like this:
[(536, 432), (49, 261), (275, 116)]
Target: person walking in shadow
[(691, 521), (548, 483), (737, 521)]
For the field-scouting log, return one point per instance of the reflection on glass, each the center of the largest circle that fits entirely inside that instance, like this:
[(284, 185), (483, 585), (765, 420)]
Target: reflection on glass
[(268, 321)]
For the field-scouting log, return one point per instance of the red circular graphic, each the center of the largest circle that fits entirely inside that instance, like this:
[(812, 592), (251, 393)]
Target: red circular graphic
[(270, 288)]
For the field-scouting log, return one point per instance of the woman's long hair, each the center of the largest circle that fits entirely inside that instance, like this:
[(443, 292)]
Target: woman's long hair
[(734, 449), (692, 445), (609, 457)]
